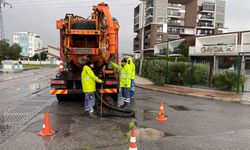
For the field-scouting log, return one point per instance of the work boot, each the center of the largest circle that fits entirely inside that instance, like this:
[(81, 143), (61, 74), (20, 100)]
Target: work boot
[(125, 105), (92, 115)]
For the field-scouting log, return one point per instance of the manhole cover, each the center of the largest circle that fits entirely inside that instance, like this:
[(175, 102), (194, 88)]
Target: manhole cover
[(179, 108), (150, 134)]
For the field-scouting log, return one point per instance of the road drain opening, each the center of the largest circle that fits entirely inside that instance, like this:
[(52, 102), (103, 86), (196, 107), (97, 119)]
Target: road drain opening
[(150, 134), (179, 108)]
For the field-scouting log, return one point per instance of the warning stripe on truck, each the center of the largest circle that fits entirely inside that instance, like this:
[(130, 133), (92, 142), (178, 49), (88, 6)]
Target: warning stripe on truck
[(58, 91), (108, 90)]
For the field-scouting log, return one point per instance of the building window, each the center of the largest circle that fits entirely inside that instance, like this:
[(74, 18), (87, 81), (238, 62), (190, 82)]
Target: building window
[(159, 37), (159, 29)]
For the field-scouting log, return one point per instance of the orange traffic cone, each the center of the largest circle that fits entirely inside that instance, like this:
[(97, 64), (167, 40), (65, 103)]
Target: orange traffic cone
[(46, 130), (132, 143), (161, 117)]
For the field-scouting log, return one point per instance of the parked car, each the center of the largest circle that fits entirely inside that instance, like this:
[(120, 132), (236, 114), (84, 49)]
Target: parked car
[(11, 66)]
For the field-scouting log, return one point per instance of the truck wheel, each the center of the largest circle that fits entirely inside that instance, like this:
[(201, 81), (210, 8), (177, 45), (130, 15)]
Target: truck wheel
[(60, 97)]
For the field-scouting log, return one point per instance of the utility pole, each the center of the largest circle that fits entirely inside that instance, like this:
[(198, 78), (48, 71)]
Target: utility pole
[(142, 36), (2, 3)]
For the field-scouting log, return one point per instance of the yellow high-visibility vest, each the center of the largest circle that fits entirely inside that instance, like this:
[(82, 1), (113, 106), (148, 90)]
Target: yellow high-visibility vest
[(89, 79)]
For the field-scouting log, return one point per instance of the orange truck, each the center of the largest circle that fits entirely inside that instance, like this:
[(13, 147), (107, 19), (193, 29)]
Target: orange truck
[(93, 39)]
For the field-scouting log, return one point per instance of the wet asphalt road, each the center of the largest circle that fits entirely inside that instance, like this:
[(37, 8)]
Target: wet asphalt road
[(204, 124)]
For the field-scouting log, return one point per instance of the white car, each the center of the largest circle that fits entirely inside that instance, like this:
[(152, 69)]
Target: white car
[(11, 66)]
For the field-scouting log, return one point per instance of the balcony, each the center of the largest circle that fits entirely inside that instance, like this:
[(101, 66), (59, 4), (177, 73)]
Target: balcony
[(175, 23), (148, 21), (172, 14), (207, 18), (149, 15), (174, 6), (205, 25), (207, 7), (175, 31), (149, 7), (136, 28), (147, 32)]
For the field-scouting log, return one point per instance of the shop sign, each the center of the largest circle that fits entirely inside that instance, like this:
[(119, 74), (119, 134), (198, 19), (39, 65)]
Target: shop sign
[(215, 49)]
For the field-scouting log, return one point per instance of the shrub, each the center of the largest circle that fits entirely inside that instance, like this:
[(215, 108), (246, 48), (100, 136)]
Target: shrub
[(200, 75), (177, 73), (227, 81)]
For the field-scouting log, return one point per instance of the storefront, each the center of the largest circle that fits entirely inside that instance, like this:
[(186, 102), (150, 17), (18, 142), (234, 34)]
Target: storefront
[(222, 51)]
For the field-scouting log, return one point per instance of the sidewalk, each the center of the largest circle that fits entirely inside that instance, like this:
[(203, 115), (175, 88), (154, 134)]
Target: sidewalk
[(187, 91)]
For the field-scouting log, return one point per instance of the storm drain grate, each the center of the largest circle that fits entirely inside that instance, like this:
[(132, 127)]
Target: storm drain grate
[(179, 108), (33, 103), (4, 128), (22, 109), (11, 118)]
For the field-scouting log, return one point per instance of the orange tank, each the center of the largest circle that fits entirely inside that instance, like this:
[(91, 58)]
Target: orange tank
[(93, 39)]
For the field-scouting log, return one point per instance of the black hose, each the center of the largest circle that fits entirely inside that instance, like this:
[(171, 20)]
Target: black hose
[(116, 112)]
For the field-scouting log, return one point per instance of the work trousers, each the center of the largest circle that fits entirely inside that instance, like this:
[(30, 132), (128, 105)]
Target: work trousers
[(132, 88), (126, 94), (89, 102)]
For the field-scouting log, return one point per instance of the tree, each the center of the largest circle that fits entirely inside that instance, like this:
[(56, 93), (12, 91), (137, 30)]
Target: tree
[(43, 55), (183, 48), (35, 57), (40, 56), (14, 51), (4, 46)]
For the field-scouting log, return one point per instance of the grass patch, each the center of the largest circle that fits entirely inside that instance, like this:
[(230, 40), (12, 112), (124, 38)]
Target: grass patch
[(33, 66)]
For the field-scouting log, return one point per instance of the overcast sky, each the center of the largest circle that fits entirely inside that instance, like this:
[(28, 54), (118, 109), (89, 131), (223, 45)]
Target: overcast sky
[(39, 16)]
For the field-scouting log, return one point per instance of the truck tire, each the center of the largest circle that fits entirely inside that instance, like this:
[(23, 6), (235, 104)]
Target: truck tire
[(62, 98), (86, 25)]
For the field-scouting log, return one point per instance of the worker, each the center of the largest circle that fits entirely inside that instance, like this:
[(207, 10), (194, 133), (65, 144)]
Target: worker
[(125, 81), (132, 88), (89, 87)]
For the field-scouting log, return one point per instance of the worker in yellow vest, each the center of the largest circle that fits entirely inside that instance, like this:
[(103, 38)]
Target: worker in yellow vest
[(89, 80), (125, 81), (132, 88)]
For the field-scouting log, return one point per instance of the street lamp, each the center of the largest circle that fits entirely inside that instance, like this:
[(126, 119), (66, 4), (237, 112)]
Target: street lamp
[(142, 37)]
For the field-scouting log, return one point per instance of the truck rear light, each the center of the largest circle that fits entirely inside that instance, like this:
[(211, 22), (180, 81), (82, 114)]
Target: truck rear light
[(111, 82), (61, 68), (57, 82)]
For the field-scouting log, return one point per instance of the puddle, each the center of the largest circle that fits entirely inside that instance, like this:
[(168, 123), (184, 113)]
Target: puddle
[(149, 114), (150, 134)]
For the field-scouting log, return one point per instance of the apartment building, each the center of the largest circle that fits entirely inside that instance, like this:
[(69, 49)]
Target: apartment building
[(28, 41), (168, 20), (154, 14)]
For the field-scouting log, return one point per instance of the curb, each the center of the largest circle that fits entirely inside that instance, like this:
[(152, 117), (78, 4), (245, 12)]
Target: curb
[(233, 100)]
